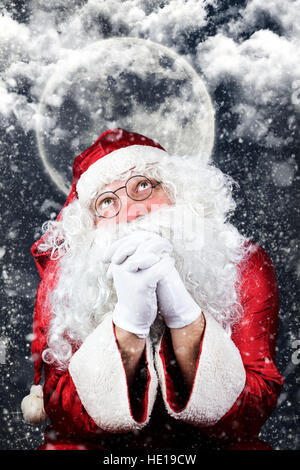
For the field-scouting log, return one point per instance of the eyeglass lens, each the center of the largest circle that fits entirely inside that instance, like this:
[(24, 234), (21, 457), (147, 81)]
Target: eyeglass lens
[(108, 204)]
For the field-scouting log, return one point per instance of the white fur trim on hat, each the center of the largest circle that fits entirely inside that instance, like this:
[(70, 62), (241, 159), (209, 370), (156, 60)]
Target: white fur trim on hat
[(111, 166)]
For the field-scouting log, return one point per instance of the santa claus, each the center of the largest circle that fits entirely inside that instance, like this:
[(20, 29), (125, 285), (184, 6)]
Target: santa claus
[(155, 321)]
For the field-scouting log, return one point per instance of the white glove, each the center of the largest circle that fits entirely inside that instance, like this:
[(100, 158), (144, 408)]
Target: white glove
[(148, 248), (142, 250), (136, 308), (175, 303)]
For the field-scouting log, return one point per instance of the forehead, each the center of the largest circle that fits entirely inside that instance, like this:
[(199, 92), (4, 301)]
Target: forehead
[(113, 185)]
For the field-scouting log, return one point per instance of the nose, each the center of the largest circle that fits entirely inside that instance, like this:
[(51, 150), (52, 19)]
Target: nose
[(136, 209)]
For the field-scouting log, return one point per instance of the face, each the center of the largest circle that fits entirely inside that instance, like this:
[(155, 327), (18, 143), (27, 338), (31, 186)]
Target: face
[(130, 209)]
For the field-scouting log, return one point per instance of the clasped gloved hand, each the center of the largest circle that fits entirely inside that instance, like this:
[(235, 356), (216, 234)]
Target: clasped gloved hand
[(141, 262)]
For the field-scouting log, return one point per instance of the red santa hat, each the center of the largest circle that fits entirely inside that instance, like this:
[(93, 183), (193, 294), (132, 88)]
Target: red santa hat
[(113, 153)]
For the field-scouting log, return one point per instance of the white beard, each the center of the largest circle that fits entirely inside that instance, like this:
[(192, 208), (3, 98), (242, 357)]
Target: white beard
[(206, 251)]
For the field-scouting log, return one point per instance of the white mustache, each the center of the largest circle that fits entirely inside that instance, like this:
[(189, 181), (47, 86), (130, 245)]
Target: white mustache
[(181, 224)]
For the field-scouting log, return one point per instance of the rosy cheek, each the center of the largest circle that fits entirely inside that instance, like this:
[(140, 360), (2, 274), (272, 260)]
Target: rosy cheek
[(136, 209), (160, 200), (154, 204)]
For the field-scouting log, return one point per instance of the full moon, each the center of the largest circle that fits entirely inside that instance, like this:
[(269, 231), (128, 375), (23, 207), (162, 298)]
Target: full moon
[(135, 84)]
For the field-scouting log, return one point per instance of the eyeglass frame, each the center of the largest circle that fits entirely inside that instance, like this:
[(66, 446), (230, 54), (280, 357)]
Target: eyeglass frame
[(153, 186)]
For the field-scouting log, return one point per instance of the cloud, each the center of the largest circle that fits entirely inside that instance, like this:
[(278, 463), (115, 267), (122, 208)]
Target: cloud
[(30, 51), (257, 45), (283, 17), (265, 67)]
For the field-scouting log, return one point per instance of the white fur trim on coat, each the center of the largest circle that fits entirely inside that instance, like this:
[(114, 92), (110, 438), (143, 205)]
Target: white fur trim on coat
[(109, 167), (98, 373), (219, 379)]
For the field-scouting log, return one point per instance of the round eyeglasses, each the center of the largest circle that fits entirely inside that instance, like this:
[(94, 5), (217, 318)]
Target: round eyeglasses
[(137, 187)]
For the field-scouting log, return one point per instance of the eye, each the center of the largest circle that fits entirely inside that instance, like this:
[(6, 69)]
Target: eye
[(105, 202), (108, 201), (142, 185)]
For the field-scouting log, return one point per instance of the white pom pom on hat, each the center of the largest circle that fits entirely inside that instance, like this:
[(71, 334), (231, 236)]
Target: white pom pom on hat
[(32, 406)]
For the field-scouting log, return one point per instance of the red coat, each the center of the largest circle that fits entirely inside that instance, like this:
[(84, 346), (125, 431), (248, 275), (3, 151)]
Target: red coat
[(235, 390)]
